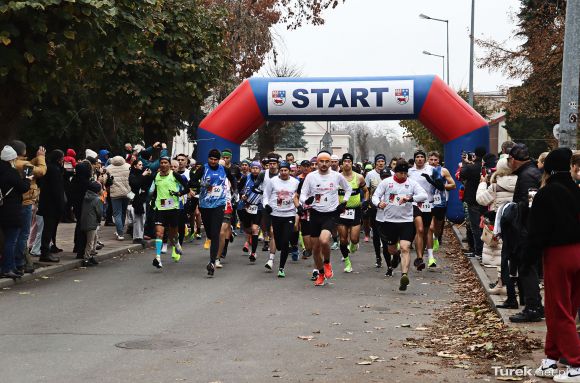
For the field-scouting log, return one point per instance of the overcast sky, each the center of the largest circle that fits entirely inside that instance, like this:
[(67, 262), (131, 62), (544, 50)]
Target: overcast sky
[(387, 37)]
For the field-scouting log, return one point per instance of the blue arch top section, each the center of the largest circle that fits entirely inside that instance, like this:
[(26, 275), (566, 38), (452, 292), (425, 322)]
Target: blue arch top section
[(421, 86)]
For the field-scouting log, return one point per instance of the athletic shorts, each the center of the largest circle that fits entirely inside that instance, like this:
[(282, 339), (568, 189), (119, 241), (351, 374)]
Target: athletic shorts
[(167, 218), (352, 222), (394, 232), (426, 216), (248, 219), (439, 213), (305, 227), (322, 221), (191, 205)]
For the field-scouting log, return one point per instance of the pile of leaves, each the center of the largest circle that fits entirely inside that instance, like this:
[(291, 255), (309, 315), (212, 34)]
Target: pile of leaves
[(468, 329)]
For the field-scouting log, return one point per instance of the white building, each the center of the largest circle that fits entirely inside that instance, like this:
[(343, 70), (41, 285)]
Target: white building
[(313, 133)]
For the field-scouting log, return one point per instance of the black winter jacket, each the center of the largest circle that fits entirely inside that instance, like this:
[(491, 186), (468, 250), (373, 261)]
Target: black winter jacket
[(52, 199), (80, 184), (11, 209), (529, 176), (555, 213), (470, 175)]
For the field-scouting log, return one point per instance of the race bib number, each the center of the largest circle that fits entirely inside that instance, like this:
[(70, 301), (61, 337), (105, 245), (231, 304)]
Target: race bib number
[(216, 191), (168, 203), (320, 199), (283, 202), (252, 209), (425, 207), (437, 199), (347, 214)]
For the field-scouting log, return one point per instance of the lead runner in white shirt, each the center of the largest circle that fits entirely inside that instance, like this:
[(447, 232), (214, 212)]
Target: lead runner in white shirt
[(423, 220), (320, 193), (393, 199)]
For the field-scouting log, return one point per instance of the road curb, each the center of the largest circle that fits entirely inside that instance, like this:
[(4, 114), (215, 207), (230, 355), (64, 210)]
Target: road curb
[(66, 265)]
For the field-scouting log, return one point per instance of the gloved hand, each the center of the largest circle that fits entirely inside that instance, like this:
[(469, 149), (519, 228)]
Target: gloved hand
[(309, 200), (268, 209), (341, 207), (427, 177), (300, 210), (257, 191), (365, 205)]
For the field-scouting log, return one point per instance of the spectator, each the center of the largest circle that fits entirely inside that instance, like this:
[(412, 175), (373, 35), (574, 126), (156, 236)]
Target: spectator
[(139, 181), (69, 165), (104, 157), (78, 188), (119, 173), (470, 175), (554, 229), (146, 156), (51, 204), (506, 146), (29, 202), (575, 167), (528, 182), (290, 158), (12, 186), (92, 208), (541, 160)]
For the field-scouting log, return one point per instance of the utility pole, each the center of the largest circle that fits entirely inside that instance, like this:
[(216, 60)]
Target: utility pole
[(570, 77), (471, 41)]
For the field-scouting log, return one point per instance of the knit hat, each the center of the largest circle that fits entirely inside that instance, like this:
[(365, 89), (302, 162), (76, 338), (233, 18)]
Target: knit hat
[(90, 153), (347, 156), (368, 167), (214, 153), (334, 157), (558, 160), (8, 153), (285, 164), (256, 164), (95, 187), (380, 157)]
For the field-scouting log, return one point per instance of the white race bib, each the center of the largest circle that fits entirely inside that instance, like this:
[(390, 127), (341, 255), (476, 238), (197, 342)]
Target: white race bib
[(437, 199), (425, 207), (347, 214), (168, 203), (216, 191), (252, 209)]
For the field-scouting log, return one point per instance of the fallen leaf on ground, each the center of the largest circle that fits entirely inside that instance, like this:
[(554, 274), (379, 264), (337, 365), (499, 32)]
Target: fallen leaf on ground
[(306, 337), (77, 280), (365, 363), (509, 378), (24, 293), (374, 357), (343, 339), (421, 328), (405, 325), (316, 332)]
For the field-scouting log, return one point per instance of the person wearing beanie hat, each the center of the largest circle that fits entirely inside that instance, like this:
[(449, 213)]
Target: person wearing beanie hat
[(90, 220), (91, 153), (250, 207), (335, 163), (395, 213), (372, 180), (12, 186), (245, 167), (554, 229), (210, 183)]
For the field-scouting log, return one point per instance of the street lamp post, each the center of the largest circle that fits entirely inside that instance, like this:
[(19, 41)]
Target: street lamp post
[(442, 62), (447, 26)]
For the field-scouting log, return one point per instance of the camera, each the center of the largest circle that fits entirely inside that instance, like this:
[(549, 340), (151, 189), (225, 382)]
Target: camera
[(28, 170)]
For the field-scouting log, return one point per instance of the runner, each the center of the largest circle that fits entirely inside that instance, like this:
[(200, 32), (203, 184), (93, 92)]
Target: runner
[(265, 177), (372, 180), (281, 201), (320, 194), (443, 182), (250, 208), (305, 167), (209, 181), (350, 220), (393, 198), (168, 186), (421, 173), (226, 228)]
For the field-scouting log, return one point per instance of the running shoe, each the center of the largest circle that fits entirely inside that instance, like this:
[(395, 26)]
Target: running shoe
[(396, 259), (366, 238), (253, 257), (210, 269), (347, 265), (157, 263), (218, 264), (572, 375), (197, 236), (548, 369), (378, 263), (164, 248), (328, 271), (389, 272), (334, 246), (404, 282), (306, 254), (319, 280), (435, 244), (314, 275), (352, 248), (294, 254), (175, 255), (419, 264), (281, 273), (246, 247), (207, 244), (266, 246), (432, 262), (269, 264), (177, 248)]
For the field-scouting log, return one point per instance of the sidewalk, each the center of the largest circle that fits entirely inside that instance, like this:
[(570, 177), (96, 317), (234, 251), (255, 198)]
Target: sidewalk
[(65, 237), (488, 275)]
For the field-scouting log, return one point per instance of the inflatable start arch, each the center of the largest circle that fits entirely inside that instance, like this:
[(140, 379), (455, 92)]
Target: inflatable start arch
[(426, 98)]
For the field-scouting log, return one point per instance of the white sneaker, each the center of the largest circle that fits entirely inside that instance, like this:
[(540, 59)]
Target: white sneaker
[(269, 265), (119, 237), (218, 264), (572, 375), (548, 369), (164, 249)]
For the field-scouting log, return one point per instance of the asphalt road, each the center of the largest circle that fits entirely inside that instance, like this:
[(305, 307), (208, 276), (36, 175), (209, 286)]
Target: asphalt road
[(125, 321)]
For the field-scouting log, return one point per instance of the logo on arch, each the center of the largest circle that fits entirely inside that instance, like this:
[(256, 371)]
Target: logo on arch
[(279, 97), (402, 96)]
